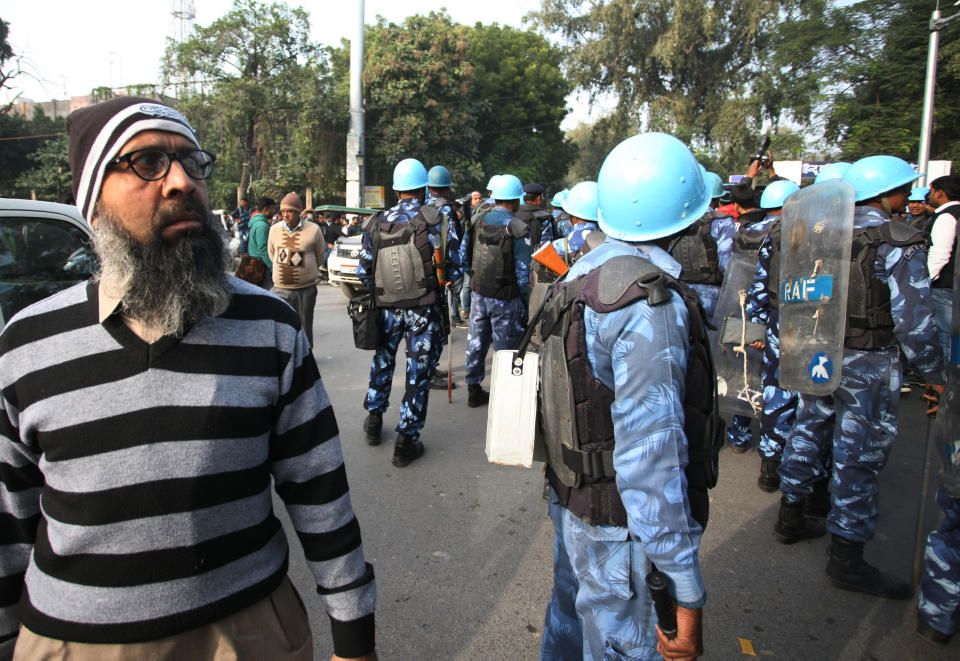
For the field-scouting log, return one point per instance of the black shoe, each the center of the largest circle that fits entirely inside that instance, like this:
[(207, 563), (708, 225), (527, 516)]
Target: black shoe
[(792, 526), (769, 480), (406, 450), (372, 427), (461, 323), (927, 632), (441, 373), (438, 382), (476, 396), (849, 571), (817, 504), (739, 449)]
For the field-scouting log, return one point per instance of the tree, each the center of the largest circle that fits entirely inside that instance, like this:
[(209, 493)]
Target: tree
[(50, 176), (417, 80), (520, 93), (259, 94)]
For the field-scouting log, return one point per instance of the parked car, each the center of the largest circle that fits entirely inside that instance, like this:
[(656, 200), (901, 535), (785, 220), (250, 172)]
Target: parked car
[(343, 259), (44, 247)]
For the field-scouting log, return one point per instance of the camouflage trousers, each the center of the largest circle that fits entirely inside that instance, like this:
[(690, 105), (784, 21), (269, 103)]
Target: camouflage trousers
[(422, 329), (779, 405), (600, 608), (738, 431), (492, 319), (853, 429), (940, 588)]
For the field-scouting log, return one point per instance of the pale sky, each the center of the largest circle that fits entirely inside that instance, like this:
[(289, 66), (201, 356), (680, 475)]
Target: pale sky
[(70, 47)]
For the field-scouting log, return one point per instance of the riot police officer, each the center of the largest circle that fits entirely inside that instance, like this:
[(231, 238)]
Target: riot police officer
[(398, 243), (531, 212), (500, 273), (779, 405), (626, 355), (854, 426)]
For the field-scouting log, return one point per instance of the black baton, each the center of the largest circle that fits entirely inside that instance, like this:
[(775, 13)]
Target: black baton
[(662, 603)]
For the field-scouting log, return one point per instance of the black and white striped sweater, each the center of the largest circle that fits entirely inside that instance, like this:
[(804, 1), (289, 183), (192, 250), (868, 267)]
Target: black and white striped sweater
[(135, 478)]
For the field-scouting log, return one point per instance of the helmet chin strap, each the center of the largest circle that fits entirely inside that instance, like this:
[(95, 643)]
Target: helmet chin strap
[(885, 203)]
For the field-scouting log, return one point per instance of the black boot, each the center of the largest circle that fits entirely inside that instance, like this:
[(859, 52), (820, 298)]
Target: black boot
[(849, 571), (476, 396), (406, 450), (372, 427), (817, 504), (769, 480), (792, 526)]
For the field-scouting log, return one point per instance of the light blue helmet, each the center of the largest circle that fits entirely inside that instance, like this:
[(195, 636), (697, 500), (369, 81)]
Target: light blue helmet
[(409, 175), (557, 200), (439, 177), (774, 194), (493, 182), (649, 187), (507, 187), (714, 184), (919, 194), (581, 201), (874, 175), (832, 171)]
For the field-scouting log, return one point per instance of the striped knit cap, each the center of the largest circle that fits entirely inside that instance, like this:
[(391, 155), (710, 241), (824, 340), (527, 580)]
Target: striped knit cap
[(97, 134)]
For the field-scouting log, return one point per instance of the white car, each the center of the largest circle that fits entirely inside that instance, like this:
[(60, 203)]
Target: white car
[(44, 247), (345, 255)]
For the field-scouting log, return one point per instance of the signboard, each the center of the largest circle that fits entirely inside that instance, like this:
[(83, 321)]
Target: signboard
[(373, 197)]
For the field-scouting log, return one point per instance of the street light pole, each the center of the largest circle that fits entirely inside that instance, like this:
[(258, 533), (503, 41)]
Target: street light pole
[(355, 136), (926, 128)]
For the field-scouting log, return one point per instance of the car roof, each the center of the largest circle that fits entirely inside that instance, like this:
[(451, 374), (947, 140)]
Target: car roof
[(69, 212)]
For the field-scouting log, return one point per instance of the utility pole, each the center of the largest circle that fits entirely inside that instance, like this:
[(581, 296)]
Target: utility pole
[(355, 147), (926, 127)]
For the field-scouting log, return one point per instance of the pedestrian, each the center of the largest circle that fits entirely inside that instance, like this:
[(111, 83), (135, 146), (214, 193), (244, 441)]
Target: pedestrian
[(626, 367), (259, 234), (296, 248), (241, 217), (779, 405), (945, 193), (852, 429), (500, 274), (141, 438), (398, 243)]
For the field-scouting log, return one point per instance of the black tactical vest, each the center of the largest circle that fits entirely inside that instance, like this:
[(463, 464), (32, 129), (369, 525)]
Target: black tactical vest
[(494, 274), (576, 426), (945, 278), (869, 319), (748, 239), (696, 252), (534, 217), (773, 271), (403, 272)]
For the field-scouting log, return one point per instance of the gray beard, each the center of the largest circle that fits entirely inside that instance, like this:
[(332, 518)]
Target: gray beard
[(168, 285)]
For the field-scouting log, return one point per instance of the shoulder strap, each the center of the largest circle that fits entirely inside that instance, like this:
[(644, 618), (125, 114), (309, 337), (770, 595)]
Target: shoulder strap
[(517, 228), (430, 214)]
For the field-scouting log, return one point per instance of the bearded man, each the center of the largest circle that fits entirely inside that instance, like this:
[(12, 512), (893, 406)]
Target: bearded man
[(147, 410)]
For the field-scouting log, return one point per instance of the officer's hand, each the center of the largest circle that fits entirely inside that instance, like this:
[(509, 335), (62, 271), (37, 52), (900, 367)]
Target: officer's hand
[(757, 345), (688, 644), (932, 395), (754, 169)]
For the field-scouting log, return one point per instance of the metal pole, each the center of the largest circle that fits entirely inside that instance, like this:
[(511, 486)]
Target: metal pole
[(926, 127), (355, 139)]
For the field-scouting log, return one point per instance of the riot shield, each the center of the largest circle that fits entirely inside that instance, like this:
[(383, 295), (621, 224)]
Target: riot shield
[(817, 233), (737, 364)]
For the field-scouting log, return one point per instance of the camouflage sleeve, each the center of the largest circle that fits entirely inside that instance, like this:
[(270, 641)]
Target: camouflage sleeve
[(521, 260), (911, 304), (758, 300), (365, 263), (723, 229), (640, 352), (454, 261), (546, 232)]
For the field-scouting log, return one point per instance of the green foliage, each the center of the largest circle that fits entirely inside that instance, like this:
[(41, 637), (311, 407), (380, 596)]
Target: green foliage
[(261, 96), (49, 177), (24, 154), (593, 142)]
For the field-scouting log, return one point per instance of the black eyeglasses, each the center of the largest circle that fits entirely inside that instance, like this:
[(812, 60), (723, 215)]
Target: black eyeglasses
[(154, 164)]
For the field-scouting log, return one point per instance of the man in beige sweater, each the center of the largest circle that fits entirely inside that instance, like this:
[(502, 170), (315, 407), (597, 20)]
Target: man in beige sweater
[(296, 247)]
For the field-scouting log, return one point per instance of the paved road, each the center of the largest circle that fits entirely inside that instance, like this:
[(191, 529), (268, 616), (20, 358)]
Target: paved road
[(463, 549)]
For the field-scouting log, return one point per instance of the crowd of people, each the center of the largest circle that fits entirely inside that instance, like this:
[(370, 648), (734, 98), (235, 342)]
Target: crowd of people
[(146, 411)]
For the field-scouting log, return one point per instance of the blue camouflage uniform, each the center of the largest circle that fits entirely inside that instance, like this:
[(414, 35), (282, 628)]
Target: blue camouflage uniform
[(572, 242), (739, 431), (779, 405), (454, 266), (722, 229), (421, 327), (501, 321), (854, 426), (564, 225), (600, 607)]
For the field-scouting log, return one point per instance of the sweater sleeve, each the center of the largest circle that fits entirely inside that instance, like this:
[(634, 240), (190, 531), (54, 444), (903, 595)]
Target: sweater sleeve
[(20, 484), (307, 465)]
